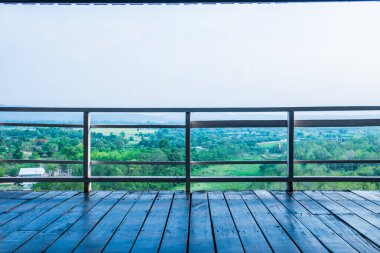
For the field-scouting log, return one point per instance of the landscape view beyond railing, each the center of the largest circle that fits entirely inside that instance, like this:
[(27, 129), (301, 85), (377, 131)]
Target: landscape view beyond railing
[(217, 140)]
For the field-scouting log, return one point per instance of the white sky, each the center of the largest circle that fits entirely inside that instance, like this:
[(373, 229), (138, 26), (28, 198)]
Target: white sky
[(197, 55)]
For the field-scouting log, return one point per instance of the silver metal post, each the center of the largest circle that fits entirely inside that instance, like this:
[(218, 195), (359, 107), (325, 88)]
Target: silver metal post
[(290, 158), (86, 151), (188, 154)]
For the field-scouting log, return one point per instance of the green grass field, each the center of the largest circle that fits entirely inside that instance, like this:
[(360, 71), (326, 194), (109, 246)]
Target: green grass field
[(129, 132)]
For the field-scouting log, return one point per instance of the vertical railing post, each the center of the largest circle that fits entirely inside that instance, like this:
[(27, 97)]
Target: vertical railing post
[(86, 151), (188, 154), (290, 158)]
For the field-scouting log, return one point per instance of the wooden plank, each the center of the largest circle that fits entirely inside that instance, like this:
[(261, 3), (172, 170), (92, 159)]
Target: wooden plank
[(375, 208), (36, 210), (360, 211), (327, 203), (6, 217), (328, 237), (96, 240), (274, 233), (43, 220), (292, 205), (32, 195), (2, 200), (363, 227), (48, 235), (311, 205), (12, 199), (126, 233), (34, 200), (10, 204), (333, 195), (350, 195), (225, 233), (369, 195), (304, 239), (18, 194), (2, 194), (74, 235), (14, 239), (360, 243), (249, 231), (200, 234), (176, 232), (50, 216), (12, 194), (7, 198), (149, 238), (346, 232), (11, 244)]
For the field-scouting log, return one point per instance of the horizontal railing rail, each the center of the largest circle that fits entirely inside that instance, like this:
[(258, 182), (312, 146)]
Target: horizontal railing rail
[(12, 124), (290, 123), (41, 161), (238, 123), (192, 109), (137, 126)]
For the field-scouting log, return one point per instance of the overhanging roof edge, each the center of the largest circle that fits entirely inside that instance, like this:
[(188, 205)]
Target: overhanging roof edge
[(79, 2)]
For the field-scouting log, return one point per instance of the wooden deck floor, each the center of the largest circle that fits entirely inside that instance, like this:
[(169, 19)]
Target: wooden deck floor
[(259, 221)]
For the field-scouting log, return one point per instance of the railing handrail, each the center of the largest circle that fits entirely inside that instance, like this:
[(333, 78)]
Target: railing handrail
[(189, 109), (290, 123)]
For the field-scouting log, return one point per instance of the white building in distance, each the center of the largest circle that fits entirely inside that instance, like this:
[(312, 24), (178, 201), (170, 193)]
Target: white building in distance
[(30, 172)]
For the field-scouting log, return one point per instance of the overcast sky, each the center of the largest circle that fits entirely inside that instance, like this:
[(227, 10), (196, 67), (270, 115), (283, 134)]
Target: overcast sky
[(197, 55)]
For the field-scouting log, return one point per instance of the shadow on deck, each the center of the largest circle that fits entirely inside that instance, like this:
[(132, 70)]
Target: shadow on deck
[(259, 221)]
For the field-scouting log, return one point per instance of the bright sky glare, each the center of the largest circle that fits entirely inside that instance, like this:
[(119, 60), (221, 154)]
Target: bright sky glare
[(316, 54)]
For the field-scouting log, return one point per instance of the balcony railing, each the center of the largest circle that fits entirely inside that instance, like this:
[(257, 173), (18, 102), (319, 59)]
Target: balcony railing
[(290, 123)]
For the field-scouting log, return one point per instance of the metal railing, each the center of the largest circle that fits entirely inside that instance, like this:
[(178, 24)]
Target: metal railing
[(290, 123)]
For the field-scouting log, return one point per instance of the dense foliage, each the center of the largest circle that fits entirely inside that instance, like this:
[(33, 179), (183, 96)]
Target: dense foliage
[(207, 145)]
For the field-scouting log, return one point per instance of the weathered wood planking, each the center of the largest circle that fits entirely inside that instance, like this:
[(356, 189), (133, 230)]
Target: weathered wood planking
[(176, 232), (227, 240), (355, 208), (52, 232), (356, 240), (249, 221), (372, 206), (14, 239), (149, 238), (39, 207), (304, 239), (249, 231), (125, 235), (200, 234), (50, 216), (100, 235), (342, 229), (362, 226), (312, 206), (277, 237), (9, 196), (372, 196), (74, 235), (327, 236)]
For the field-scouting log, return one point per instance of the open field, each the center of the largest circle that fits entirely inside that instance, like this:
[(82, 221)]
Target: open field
[(128, 131)]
